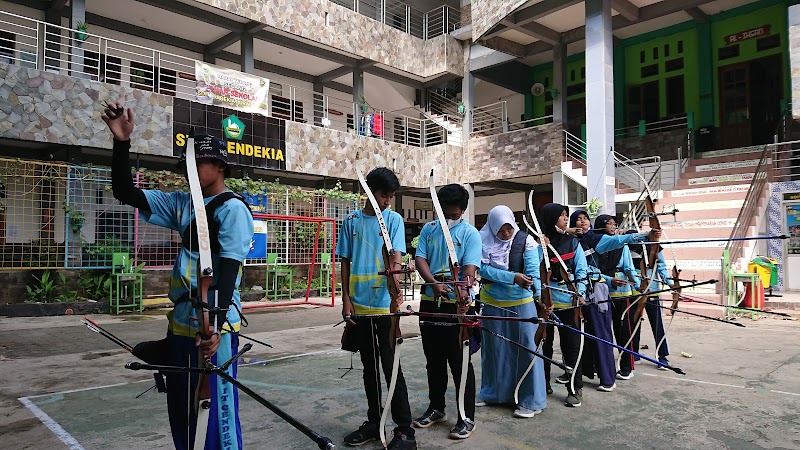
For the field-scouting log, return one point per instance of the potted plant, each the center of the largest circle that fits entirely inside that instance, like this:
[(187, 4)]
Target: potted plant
[(593, 207), (364, 105), (80, 31)]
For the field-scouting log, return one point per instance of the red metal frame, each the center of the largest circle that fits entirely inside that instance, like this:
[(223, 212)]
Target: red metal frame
[(319, 221)]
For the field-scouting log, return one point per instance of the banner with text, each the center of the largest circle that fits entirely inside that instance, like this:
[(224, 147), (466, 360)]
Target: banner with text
[(232, 89)]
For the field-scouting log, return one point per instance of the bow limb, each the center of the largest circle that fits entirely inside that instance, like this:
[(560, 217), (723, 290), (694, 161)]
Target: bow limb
[(645, 289), (462, 300), (676, 296), (205, 274), (545, 294), (395, 336)]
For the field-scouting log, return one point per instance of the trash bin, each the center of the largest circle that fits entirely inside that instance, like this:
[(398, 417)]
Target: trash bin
[(767, 270)]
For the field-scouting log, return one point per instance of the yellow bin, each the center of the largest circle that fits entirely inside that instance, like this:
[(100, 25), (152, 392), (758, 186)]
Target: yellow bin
[(767, 270)]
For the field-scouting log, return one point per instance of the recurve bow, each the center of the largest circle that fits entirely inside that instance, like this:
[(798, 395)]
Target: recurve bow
[(395, 337)]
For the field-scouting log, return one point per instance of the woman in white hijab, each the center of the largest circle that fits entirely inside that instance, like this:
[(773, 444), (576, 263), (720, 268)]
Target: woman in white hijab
[(510, 282)]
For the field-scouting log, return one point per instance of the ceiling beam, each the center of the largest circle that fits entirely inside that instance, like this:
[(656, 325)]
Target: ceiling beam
[(184, 9), (397, 78), (541, 32), (333, 74), (57, 5), (233, 37), (698, 15), (627, 9), (646, 13), (530, 14), (507, 185), (144, 33), (303, 47)]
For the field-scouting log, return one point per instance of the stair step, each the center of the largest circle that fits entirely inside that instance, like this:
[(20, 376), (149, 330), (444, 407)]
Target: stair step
[(750, 152), (718, 173), (720, 180), (704, 214), (694, 194), (702, 165)]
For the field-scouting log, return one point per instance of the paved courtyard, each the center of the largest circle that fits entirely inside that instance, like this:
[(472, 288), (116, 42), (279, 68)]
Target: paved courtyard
[(65, 387)]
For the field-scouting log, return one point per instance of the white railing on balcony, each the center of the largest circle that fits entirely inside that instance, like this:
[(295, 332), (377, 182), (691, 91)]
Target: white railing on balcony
[(399, 15), (53, 48), (490, 119)]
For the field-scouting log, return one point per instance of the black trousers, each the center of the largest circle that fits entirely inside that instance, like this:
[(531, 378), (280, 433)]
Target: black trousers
[(656, 320), (569, 342), (374, 346), (442, 347), (623, 330)]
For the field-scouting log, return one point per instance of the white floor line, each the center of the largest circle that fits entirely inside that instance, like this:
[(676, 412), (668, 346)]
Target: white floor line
[(85, 389), (48, 421), (717, 384), (784, 392), (698, 381)]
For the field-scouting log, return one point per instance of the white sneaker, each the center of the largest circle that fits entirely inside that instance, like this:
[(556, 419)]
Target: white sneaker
[(604, 388), (479, 402), (526, 413)]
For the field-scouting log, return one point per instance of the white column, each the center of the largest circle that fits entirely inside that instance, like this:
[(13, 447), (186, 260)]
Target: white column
[(600, 104)]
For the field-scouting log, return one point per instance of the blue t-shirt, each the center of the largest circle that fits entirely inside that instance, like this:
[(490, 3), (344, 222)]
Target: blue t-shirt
[(433, 248), (361, 242), (502, 291), (174, 210)]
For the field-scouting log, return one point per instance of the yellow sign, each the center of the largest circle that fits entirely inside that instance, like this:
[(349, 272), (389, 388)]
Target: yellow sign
[(238, 148)]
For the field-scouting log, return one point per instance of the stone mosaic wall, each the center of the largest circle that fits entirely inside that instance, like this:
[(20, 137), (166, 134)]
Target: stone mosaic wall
[(775, 247), (48, 107), (526, 152), (321, 151), (794, 57), (353, 33), (487, 13)]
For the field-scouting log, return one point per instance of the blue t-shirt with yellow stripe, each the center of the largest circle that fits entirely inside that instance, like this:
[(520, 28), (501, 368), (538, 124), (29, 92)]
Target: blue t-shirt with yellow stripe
[(433, 248), (361, 242), (174, 210)]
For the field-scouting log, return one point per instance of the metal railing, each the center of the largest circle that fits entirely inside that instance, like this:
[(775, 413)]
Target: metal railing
[(644, 127), (442, 20), (438, 103), (399, 15), (53, 48), (574, 149), (749, 209), (490, 119), (528, 123), (630, 174)]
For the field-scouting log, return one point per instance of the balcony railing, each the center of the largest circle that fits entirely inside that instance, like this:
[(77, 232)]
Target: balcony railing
[(424, 25), (35, 44)]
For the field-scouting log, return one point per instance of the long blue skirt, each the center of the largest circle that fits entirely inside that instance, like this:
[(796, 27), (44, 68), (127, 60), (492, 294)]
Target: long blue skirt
[(502, 364)]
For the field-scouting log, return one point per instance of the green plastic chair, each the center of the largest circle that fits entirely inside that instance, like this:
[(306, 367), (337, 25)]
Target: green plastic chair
[(280, 274), (126, 290), (325, 270)]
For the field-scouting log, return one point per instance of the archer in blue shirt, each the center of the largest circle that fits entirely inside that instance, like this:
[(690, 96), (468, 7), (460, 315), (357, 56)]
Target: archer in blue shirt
[(441, 344)]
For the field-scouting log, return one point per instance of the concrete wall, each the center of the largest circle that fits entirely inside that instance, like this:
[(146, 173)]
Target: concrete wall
[(353, 33)]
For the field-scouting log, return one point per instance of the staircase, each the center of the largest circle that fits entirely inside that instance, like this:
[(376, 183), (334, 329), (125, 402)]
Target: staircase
[(442, 110), (709, 197)]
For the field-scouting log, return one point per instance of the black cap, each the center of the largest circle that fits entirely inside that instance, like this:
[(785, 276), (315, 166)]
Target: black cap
[(207, 147)]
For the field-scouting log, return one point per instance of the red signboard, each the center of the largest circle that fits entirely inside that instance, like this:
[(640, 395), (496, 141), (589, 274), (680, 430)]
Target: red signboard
[(744, 35)]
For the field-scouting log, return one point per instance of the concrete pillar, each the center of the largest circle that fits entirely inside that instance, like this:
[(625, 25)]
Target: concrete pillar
[(248, 61), (559, 188), (467, 95), (319, 105), (469, 214), (358, 93), (560, 83), (77, 14), (600, 104)]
